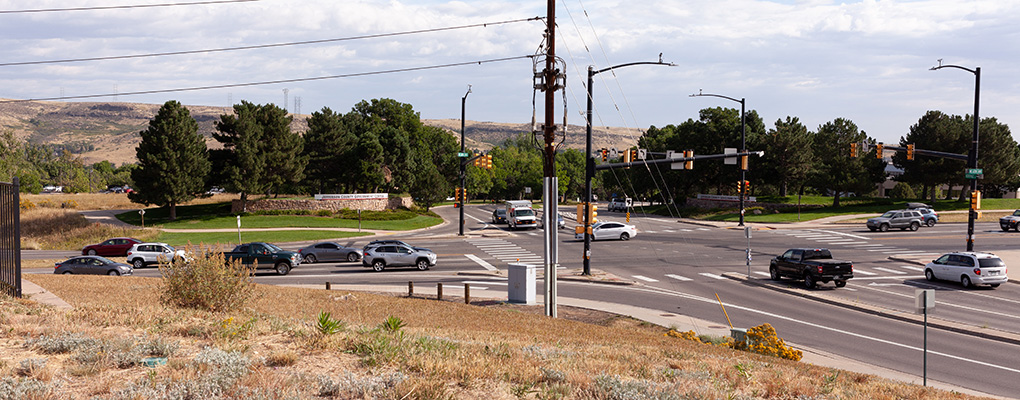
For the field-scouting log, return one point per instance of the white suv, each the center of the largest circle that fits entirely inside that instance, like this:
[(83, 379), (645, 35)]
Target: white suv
[(143, 254), (968, 268)]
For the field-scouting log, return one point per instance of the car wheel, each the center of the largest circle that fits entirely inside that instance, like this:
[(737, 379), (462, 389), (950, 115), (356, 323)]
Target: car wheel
[(993, 285), (625, 236), (282, 268), (92, 252), (113, 272), (774, 274), (67, 272), (310, 258), (929, 274), (1006, 228), (809, 281), (931, 222), (915, 226), (872, 229), (883, 227), (422, 264), (840, 283), (965, 281), (352, 257), (138, 263), (378, 265), (1016, 227)]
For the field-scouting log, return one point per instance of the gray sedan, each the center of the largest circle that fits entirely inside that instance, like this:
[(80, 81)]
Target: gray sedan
[(329, 251), (93, 265)]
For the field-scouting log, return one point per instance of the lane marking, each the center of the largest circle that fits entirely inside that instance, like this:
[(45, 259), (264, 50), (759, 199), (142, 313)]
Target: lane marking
[(479, 261), (861, 271), (869, 245), (846, 234), (911, 267), (645, 278), (761, 273), (485, 283), (714, 276), (679, 278), (891, 271)]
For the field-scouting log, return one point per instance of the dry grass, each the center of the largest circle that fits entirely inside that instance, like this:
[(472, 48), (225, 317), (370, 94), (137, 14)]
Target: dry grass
[(444, 350), (106, 201), (61, 228)]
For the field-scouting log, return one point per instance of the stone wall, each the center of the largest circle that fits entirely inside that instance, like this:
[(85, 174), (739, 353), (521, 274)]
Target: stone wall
[(332, 205)]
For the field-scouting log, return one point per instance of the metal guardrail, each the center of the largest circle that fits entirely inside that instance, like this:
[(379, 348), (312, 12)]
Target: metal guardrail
[(10, 238)]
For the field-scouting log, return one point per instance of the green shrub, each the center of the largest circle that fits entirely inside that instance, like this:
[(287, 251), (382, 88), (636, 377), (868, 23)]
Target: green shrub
[(27, 204), (207, 282), (326, 325), (902, 190), (69, 204)]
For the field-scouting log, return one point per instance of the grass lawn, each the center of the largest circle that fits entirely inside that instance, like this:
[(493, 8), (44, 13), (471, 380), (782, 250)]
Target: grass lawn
[(183, 238)]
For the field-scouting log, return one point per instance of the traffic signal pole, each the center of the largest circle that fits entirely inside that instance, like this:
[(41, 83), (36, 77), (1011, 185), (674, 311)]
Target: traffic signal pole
[(463, 164), (972, 157)]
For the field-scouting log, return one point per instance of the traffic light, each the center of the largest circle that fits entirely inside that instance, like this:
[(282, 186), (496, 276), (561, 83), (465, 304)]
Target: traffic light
[(853, 150), (910, 151), (633, 155), (689, 164), (488, 161), (580, 213), (593, 213), (627, 157), (740, 186), (747, 187), (878, 150), (605, 155), (743, 163), (975, 200), (477, 161)]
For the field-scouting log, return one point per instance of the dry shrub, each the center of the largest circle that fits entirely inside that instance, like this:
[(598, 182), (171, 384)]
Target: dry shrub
[(108, 201), (207, 282), (281, 358)]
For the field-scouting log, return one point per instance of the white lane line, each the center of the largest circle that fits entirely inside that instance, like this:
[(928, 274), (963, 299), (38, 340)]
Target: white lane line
[(912, 251), (485, 283), (891, 271), (761, 273), (703, 229), (669, 231), (461, 287), (649, 232), (886, 249), (869, 245), (945, 304), (861, 271), (891, 277), (645, 278), (912, 267), (479, 261), (472, 217), (678, 277), (658, 220), (714, 276), (846, 234)]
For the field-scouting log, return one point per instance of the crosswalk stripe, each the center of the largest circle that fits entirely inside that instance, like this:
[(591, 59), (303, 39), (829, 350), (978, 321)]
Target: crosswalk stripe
[(891, 271), (863, 272), (678, 277), (645, 278), (761, 273), (485, 283), (481, 262), (911, 267), (714, 276)]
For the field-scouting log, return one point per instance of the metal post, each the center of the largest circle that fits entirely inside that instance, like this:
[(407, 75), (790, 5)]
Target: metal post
[(743, 149), (925, 310), (549, 134), (463, 166), (589, 171), (439, 291), (972, 159), (467, 293)]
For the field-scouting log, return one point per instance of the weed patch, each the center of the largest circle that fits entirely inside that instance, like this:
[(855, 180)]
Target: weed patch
[(207, 282)]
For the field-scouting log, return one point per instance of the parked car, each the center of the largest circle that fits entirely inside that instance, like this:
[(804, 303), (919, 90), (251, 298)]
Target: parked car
[(398, 255), (606, 230), (116, 247), (91, 265), (903, 219), (968, 268), (813, 265), (499, 216), (1010, 222), (143, 254), (329, 251)]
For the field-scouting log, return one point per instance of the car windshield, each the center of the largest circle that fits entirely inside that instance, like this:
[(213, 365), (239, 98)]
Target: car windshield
[(991, 262), (1016, 213), (500, 212), (171, 248), (524, 213), (273, 247), (104, 260), (889, 214)]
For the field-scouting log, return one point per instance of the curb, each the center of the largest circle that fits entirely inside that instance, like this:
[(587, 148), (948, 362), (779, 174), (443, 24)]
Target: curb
[(986, 333)]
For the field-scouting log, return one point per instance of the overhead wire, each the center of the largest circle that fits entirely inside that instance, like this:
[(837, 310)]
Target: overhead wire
[(127, 6), (263, 46), (278, 81)]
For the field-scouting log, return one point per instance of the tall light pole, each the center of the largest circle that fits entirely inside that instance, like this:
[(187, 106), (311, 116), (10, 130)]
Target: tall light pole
[(743, 148), (463, 177), (972, 156), (589, 167)]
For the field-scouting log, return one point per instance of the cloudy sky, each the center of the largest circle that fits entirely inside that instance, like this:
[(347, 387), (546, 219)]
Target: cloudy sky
[(813, 59)]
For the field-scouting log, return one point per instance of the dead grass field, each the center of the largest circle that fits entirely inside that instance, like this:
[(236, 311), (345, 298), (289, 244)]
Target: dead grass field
[(272, 349), (105, 201)]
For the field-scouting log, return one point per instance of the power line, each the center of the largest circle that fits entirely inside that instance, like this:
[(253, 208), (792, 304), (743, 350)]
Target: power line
[(194, 3), (232, 85), (263, 46)]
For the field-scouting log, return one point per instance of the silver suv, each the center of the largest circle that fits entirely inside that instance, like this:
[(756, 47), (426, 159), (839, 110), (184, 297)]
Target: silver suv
[(903, 219), (143, 254), (398, 255)]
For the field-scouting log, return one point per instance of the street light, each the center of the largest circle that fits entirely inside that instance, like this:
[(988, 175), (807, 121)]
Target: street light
[(463, 178), (589, 168), (972, 157), (743, 148)]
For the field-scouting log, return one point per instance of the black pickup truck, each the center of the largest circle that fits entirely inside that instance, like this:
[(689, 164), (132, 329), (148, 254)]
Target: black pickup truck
[(812, 265), (264, 255)]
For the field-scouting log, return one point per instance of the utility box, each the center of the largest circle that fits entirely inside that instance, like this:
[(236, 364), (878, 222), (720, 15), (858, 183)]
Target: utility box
[(739, 335), (521, 285)]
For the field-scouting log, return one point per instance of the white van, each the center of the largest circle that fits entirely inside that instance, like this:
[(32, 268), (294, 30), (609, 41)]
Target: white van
[(519, 214)]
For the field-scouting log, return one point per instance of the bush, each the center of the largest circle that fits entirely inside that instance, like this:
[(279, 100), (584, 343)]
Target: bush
[(762, 339), (26, 205), (902, 190), (207, 282), (69, 204)]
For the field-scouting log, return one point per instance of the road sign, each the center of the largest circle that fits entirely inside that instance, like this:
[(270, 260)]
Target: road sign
[(974, 173), (672, 154), (730, 160), (462, 155)]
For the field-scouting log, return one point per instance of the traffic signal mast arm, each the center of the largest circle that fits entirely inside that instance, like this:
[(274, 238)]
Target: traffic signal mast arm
[(468, 161), (680, 159), (931, 153)]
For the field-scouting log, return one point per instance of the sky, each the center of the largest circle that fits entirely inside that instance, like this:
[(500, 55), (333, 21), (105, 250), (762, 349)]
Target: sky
[(817, 60)]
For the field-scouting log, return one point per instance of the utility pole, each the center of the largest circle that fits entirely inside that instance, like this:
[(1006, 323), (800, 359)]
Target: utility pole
[(972, 157), (463, 164), (551, 190)]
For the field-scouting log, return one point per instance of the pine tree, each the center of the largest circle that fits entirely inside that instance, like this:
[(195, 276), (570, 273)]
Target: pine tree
[(172, 160)]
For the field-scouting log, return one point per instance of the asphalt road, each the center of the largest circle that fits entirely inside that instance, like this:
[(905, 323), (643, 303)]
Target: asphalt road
[(681, 268)]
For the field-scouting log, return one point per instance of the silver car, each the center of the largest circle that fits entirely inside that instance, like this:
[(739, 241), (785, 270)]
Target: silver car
[(398, 255), (91, 265), (329, 251), (903, 219)]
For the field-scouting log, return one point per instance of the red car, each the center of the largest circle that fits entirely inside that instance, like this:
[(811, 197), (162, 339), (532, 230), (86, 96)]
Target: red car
[(111, 247)]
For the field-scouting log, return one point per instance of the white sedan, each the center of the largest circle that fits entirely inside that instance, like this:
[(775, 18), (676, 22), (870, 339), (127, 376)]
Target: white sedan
[(605, 230)]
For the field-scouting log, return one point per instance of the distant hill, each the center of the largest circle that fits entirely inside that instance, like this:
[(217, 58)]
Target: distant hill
[(109, 131)]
